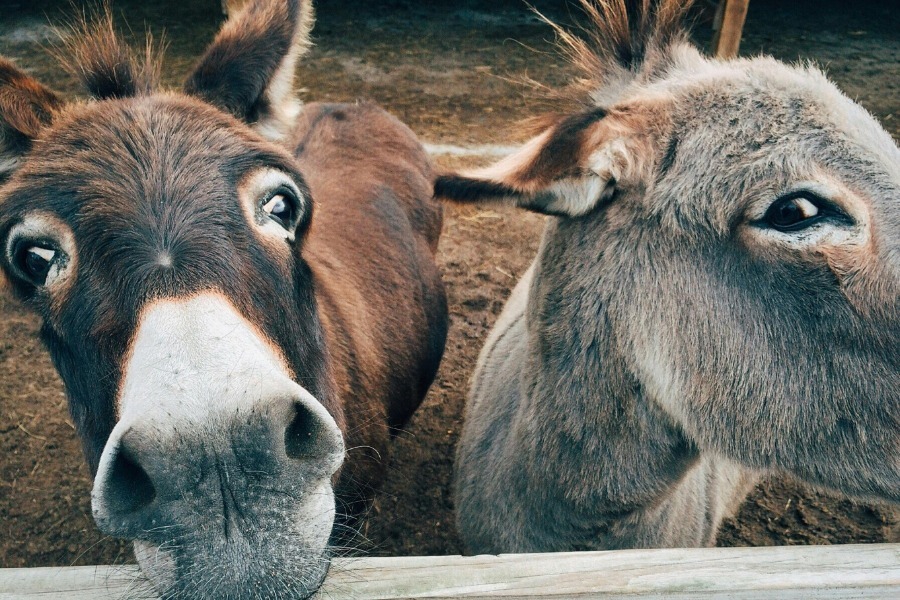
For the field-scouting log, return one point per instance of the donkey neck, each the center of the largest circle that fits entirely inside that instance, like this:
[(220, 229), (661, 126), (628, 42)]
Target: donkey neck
[(582, 407)]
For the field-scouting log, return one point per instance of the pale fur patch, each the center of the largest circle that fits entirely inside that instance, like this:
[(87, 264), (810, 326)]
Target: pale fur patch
[(41, 225), (283, 103), (186, 354), (821, 235), (656, 370), (195, 360), (253, 188), (9, 164), (506, 171), (572, 197)]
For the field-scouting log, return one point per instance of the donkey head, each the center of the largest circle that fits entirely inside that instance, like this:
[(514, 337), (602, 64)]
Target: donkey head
[(160, 238), (729, 232)]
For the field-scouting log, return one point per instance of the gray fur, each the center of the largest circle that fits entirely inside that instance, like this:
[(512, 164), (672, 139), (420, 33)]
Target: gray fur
[(665, 350)]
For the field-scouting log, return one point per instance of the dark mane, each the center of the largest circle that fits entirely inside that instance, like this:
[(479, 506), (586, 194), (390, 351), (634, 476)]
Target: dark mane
[(620, 41), (93, 52), (624, 32)]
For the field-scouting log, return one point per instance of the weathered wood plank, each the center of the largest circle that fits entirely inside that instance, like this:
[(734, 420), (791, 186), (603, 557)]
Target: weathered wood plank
[(856, 571), (729, 25)]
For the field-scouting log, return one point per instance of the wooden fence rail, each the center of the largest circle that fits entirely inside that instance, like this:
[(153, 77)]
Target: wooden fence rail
[(820, 572)]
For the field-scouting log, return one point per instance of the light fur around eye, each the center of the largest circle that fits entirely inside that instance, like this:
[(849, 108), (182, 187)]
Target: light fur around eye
[(40, 251), (273, 203)]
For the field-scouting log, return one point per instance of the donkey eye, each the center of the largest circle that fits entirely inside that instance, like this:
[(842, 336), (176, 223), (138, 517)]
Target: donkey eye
[(35, 261), (794, 212), (281, 209)]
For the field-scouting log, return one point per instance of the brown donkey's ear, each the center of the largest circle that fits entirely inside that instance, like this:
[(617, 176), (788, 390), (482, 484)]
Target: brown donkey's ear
[(248, 70), (575, 164), (26, 107)]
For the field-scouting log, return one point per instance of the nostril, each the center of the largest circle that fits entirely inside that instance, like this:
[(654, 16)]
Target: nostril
[(301, 438), (128, 487)]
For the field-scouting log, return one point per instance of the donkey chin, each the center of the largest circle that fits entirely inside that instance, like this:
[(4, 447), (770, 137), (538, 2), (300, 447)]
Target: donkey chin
[(290, 559)]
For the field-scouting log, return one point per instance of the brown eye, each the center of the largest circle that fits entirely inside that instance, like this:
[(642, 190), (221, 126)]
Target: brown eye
[(34, 261), (793, 212), (281, 208)]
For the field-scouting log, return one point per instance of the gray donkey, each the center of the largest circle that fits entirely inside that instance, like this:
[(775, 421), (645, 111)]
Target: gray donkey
[(715, 297)]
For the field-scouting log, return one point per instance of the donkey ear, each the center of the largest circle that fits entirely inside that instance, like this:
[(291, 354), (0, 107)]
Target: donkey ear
[(570, 168), (26, 107), (248, 70)]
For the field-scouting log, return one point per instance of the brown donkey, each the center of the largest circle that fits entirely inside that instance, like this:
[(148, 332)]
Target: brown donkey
[(234, 292), (716, 295)]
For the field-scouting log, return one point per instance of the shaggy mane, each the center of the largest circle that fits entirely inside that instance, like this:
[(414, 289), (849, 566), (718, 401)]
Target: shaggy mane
[(93, 52), (624, 32), (621, 41)]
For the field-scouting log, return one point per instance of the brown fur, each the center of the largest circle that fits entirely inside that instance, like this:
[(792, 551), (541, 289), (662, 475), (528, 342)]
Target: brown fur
[(262, 42), (143, 198), (26, 107), (563, 149), (361, 313), (105, 65)]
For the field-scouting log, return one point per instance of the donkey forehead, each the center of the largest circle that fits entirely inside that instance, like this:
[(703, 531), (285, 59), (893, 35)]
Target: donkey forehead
[(777, 124), (141, 157), (780, 100), (146, 137), (754, 129)]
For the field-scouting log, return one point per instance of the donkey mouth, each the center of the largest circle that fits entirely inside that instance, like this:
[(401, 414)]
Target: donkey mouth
[(262, 544), (259, 565)]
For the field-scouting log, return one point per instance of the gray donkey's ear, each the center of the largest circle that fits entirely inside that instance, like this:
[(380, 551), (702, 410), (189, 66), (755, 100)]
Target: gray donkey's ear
[(26, 107), (248, 70), (572, 166)]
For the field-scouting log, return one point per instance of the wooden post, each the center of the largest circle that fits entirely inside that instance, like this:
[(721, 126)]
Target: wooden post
[(727, 27), (788, 572)]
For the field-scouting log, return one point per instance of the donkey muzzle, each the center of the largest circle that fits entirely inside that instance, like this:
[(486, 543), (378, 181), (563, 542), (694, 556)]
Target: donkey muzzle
[(218, 456)]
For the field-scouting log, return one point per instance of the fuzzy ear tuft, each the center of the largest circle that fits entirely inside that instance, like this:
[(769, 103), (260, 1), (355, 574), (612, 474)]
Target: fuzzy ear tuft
[(623, 41), (26, 108), (105, 65), (248, 70)]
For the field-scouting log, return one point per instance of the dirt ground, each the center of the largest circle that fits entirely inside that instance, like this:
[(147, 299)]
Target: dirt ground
[(447, 68)]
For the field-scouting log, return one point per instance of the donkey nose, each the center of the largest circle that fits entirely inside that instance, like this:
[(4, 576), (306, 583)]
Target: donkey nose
[(155, 474)]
